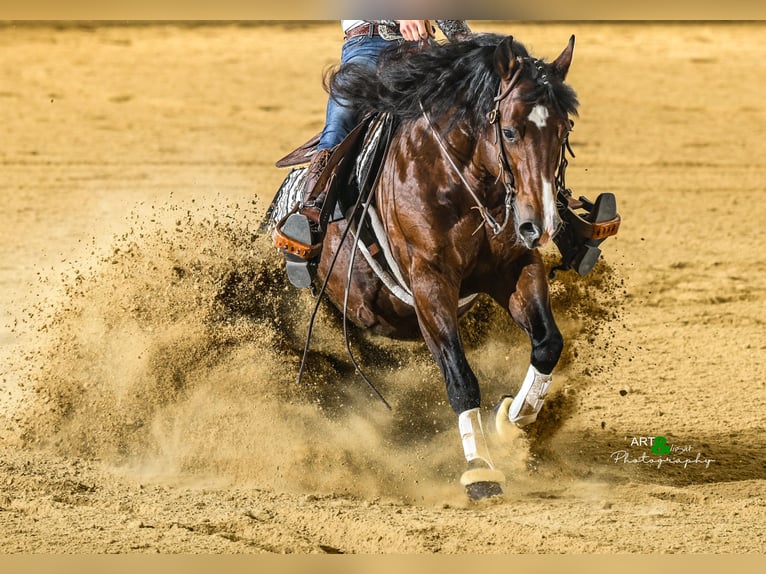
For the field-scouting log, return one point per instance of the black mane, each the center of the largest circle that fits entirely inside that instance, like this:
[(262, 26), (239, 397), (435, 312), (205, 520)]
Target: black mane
[(456, 78)]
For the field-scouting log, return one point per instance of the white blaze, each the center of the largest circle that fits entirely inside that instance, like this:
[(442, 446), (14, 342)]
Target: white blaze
[(549, 208), (539, 115)]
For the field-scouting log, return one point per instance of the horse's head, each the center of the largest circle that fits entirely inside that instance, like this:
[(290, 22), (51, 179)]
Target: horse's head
[(531, 119)]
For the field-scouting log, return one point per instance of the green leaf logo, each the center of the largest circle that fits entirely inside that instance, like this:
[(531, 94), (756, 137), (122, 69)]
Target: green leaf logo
[(659, 446)]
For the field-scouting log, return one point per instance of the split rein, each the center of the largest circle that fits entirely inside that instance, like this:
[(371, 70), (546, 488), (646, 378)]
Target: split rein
[(363, 203)]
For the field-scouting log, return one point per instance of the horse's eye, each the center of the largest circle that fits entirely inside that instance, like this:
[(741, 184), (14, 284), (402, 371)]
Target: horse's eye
[(510, 134)]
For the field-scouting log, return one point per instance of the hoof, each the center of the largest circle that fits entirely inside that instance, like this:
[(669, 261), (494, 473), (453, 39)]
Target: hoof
[(481, 481), (500, 416), (507, 432), (483, 490)]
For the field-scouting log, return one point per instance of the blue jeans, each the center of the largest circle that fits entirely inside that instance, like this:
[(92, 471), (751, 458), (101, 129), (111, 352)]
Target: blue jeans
[(340, 120)]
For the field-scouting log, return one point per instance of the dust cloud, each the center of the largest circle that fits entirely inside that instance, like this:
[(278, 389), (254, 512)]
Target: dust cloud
[(177, 354)]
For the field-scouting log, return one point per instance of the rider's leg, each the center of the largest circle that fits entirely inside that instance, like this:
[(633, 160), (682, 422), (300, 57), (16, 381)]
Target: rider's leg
[(314, 198), (301, 227), (340, 119)]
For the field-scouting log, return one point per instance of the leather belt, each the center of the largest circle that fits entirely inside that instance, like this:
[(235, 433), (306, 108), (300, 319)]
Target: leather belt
[(363, 30)]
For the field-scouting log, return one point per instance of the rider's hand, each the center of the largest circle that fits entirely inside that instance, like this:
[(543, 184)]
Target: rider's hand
[(413, 30)]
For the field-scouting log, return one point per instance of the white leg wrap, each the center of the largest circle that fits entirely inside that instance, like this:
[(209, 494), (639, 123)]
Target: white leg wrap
[(472, 435), (475, 449), (530, 398)]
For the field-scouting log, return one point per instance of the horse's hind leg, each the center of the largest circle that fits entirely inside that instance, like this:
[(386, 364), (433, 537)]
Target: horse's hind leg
[(436, 310), (530, 307)]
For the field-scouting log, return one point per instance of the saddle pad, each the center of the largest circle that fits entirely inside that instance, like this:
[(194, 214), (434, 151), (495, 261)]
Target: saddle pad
[(289, 194)]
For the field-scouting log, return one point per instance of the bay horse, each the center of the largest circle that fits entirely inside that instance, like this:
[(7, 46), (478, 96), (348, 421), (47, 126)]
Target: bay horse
[(466, 194)]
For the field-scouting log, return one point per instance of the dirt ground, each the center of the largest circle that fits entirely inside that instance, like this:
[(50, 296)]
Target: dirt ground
[(149, 342)]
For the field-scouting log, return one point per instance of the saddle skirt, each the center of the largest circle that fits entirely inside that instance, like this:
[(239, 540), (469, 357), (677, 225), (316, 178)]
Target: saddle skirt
[(370, 235)]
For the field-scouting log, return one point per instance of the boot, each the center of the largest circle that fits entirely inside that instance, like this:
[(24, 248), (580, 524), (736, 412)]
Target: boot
[(314, 198), (585, 230), (298, 236)]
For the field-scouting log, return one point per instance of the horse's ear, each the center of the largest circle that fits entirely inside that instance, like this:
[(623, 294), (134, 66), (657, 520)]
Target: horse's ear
[(562, 63), (505, 59)]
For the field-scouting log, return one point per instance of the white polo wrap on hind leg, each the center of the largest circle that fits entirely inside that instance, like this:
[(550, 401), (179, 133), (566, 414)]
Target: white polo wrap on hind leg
[(475, 449), (530, 398)]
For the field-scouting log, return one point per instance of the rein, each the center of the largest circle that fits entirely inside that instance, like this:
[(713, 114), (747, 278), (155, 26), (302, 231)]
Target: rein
[(363, 201), (505, 168), (345, 309)]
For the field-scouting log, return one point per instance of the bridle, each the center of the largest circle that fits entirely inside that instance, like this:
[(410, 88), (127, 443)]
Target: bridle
[(504, 165), (505, 172)]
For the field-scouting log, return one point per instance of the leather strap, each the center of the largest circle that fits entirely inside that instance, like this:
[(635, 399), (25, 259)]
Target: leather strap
[(363, 30)]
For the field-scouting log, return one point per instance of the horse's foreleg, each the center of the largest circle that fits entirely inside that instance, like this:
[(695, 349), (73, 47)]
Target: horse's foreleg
[(530, 307), (436, 307)]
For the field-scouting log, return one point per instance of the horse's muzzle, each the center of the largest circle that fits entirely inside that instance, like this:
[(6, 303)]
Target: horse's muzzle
[(530, 234)]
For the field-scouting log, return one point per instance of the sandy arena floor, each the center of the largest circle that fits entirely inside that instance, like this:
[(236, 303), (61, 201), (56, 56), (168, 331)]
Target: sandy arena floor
[(149, 343)]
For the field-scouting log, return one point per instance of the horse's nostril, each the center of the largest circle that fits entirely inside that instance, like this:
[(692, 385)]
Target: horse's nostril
[(530, 233)]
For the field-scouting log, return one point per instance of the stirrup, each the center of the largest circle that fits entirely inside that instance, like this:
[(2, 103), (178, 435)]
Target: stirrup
[(601, 221), (293, 236), (581, 235)]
